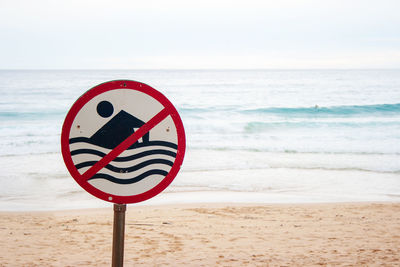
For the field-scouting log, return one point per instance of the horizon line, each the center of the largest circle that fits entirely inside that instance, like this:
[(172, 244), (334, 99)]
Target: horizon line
[(186, 69)]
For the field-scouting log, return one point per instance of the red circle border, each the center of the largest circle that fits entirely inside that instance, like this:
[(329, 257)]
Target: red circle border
[(109, 86)]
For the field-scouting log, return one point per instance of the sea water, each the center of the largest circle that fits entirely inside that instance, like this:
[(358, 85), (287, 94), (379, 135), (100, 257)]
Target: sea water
[(265, 136)]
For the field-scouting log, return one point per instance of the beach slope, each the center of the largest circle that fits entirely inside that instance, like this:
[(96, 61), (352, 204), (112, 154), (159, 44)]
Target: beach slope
[(208, 235)]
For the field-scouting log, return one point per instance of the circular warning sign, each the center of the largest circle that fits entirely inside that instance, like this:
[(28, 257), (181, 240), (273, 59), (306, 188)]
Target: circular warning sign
[(123, 141)]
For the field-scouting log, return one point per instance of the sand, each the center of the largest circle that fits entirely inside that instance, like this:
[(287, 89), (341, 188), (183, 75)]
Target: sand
[(351, 234)]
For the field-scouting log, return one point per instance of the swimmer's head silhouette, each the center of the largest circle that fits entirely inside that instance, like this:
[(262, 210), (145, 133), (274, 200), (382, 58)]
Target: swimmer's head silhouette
[(117, 129), (105, 109)]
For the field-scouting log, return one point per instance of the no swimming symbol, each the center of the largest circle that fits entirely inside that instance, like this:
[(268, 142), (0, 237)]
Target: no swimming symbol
[(123, 141)]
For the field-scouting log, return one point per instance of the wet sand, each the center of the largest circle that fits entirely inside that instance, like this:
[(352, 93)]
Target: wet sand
[(350, 234)]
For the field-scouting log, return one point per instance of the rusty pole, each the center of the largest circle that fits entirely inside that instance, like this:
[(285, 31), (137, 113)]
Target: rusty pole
[(118, 235)]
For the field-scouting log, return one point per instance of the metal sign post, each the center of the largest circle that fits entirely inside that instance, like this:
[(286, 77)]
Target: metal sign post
[(118, 235), (123, 142)]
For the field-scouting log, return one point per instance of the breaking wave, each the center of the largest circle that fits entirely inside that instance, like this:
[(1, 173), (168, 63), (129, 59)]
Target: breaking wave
[(355, 110)]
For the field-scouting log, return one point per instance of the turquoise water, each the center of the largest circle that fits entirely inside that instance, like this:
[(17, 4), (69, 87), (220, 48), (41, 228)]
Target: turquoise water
[(247, 120), (362, 106), (333, 111)]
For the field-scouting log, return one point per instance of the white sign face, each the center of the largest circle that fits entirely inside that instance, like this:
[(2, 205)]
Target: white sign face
[(123, 145)]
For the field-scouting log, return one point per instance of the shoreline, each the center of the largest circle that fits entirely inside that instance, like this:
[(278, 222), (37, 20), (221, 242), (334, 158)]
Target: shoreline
[(82, 200), (145, 204), (208, 234)]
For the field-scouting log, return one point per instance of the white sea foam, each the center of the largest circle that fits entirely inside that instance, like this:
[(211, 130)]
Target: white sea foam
[(42, 181)]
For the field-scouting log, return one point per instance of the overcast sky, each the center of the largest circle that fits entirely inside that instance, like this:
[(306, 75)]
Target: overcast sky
[(87, 34)]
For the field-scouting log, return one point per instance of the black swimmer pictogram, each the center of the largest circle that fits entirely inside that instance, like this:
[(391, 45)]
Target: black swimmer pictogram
[(142, 159), (120, 127)]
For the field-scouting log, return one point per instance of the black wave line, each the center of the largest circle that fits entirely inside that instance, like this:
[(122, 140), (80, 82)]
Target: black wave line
[(158, 143), (87, 151), (130, 180), (129, 169), (144, 144), (127, 158), (81, 139)]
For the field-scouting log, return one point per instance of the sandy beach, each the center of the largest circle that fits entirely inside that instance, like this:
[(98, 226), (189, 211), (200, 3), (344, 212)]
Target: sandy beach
[(350, 234)]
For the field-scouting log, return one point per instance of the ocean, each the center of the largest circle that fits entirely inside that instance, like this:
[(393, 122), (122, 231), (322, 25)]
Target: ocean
[(257, 136)]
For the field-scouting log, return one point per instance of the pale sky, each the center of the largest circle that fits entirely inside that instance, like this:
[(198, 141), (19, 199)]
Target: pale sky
[(119, 34)]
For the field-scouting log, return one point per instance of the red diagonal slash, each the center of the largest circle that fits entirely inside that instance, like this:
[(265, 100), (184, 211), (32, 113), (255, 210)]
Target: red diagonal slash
[(125, 144)]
